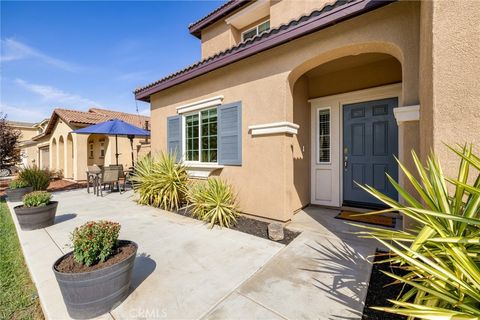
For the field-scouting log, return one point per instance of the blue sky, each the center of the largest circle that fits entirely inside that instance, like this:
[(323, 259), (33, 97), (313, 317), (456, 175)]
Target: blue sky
[(82, 54)]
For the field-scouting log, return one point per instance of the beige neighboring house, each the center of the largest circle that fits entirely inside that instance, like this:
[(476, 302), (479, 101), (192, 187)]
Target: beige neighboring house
[(55, 147), (27, 147), (295, 101)]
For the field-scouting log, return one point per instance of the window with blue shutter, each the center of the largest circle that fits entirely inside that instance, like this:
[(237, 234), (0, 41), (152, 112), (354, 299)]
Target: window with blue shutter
[(174, 136), (230, 134)]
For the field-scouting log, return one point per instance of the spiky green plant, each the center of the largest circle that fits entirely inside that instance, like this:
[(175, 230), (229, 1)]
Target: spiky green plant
[(38, 178), (160, 181), (213, 201), (442, 255)]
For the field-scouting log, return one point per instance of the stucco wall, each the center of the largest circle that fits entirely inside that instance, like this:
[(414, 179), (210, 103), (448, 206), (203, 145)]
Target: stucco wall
[(450, 78), (267, 183), (283, 11), (369, 75), (217, 37)]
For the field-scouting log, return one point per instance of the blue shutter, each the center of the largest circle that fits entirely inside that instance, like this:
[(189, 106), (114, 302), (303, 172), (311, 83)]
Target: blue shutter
[(230, 134), (174, 136)]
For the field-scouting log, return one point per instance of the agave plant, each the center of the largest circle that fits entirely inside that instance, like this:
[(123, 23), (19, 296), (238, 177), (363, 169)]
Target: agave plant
[(213, 201), (160, 181), (442, 255)]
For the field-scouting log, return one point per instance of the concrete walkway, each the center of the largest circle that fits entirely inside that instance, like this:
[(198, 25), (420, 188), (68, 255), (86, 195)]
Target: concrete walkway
[(186, 271)]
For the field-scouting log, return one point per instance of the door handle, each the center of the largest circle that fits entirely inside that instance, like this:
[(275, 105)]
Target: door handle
[(345, 162)]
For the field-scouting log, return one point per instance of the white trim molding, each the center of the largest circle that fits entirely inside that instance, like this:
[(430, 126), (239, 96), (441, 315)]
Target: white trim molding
[(201, 170), (274, 127), (201, 104), (408, 113)]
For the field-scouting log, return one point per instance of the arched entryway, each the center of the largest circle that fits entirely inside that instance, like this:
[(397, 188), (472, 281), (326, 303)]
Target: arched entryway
[(348, 132), (53, 155), (69, 157), (61, 156), (97, 146)]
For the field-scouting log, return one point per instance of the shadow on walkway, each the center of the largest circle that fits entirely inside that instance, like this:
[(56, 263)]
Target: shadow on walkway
[(339, 270)]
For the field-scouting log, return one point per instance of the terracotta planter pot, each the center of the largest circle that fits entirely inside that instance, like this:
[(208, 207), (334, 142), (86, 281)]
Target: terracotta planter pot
[(16, 195), (36, 217), (91, 294)]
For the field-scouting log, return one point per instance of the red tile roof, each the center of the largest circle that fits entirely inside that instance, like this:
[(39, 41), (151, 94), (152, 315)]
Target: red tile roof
[(93, 116)]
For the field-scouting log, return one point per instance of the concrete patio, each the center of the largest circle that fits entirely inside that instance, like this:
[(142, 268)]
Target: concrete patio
[(186, 271)]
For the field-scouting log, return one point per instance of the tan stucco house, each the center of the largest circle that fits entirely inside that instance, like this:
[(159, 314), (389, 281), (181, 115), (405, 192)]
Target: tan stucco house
[(55, 147), (294, 101)]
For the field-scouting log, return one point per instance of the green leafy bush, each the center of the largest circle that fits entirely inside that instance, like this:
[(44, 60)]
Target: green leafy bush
[(213, 201), (39, 179), (18, 184), (160, 181), (442, 256), (94, 241), (36, 199)]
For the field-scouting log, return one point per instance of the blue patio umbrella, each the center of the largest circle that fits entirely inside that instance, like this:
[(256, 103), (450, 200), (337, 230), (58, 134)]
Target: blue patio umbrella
[(117, 128)]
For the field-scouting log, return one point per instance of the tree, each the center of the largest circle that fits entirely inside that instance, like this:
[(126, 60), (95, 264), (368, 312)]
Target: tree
[(9, 138)]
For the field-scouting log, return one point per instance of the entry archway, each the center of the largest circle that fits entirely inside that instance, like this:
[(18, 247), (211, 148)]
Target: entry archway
[(323, 145), (61, 156), (69, 157)]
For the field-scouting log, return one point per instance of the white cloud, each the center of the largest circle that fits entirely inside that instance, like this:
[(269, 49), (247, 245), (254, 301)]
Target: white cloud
[(14, 50), (27, 114), (58, 97)]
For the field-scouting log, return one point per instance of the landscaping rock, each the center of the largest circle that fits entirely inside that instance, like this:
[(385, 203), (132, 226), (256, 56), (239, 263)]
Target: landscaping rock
[(275, 231)]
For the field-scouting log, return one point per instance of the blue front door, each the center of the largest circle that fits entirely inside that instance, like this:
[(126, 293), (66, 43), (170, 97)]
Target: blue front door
[(370, 143)]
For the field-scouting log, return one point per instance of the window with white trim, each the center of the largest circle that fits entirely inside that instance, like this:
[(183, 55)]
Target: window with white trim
[(201, 136), (324, 136), (250, 33)]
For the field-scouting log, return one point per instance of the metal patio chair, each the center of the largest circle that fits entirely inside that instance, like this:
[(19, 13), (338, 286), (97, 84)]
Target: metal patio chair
[(109, 176)]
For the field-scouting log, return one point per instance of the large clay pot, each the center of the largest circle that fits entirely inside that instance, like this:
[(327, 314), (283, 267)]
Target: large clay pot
[(31, 218), (91, 294), (16, 195)]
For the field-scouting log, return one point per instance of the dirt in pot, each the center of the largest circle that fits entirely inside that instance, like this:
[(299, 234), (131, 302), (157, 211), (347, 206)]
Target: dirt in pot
[(123, 251)]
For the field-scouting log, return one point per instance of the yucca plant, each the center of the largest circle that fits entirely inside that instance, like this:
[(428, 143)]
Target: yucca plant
[(160, 181), (213, 201), (441, 256)]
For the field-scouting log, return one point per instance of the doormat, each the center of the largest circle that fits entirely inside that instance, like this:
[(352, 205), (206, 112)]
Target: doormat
[(376, 219)]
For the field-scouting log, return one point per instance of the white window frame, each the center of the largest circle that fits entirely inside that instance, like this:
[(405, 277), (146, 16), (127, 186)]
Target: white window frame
[(254, 28), (317, 138), (184, 137)]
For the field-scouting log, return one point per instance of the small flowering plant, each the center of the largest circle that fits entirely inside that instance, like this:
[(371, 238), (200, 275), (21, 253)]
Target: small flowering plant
[(37, 199), (94, 241)]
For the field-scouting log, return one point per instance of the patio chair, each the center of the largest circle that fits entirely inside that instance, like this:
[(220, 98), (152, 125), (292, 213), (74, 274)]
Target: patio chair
[(92, 175), (109, 177), (121, 175)]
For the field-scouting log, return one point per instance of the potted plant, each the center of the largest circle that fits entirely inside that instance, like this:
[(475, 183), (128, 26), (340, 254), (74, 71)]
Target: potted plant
[(17, 189), (37, 211), (95, 277)]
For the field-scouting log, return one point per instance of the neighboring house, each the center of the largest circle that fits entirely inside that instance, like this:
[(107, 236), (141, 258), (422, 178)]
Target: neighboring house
[(28, 130), (55, 147), (295, 101)]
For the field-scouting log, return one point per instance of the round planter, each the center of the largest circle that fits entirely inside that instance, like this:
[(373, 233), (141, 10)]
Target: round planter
[(16, 195), (91, 294), (36, 217)]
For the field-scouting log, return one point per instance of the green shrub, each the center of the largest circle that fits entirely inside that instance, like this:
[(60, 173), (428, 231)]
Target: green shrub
[(18, 184), (37, 178), (442, 256), (36, 199), (213, 201), (160, 181), (94, 241)]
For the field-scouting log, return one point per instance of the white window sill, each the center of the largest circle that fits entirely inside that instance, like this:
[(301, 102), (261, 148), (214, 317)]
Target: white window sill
[(201, 170)]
